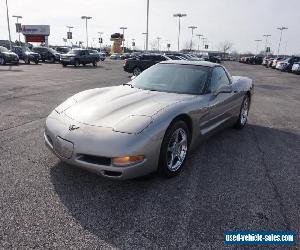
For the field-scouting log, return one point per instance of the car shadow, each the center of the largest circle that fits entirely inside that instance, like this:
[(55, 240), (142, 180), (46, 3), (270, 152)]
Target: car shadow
[(145, 210), (88, 67), (9, 67)]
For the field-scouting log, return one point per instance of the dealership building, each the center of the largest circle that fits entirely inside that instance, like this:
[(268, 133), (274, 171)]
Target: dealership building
[(36, 33)]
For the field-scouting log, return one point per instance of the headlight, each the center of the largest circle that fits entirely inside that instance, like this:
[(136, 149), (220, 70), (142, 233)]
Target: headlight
[(127, 160)]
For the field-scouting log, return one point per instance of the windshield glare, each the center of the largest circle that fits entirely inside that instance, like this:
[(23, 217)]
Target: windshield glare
[(3, 49), (74, 51), (174, 78)]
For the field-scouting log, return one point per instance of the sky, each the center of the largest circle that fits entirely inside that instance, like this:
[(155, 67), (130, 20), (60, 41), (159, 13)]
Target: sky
[(238, 21)]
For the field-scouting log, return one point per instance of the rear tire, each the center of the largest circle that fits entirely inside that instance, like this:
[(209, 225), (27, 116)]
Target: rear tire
[(2, 61), (244, 112), (95, 63), (76, 63), (136, 71), (52, 60), (174, 149), (36, 61)]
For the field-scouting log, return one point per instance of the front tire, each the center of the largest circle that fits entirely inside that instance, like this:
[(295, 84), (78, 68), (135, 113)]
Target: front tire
[(76, 63), (136, 71), (244, 112), (174, 149), (95, 63)]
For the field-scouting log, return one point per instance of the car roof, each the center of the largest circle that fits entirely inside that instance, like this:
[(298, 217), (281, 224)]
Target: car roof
[(197, 63)]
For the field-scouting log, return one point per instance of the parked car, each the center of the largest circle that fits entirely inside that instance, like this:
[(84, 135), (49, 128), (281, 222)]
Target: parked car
[(181, 55), (62, 50), (138, 64), (47, 54), (274, 62), (288, 63), (7, 56), (256, 60), (270, 62), (116, 56), (296, 68), (151, 123), (214, 59), (102, 56), (79, 57), (26, 54)]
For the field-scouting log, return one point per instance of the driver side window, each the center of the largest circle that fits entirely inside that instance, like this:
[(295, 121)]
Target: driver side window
[(218, 78)]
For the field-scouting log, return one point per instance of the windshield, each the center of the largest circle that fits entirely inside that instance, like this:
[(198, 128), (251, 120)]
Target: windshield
[(3, 49), (74, 51), (174, 78), (53, 51), (26, 49)]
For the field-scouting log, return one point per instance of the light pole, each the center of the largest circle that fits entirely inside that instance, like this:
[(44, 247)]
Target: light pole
[(257, 43), (199, 36), (203, 41), (145, 38), (100, 39), (281, 29), (179, 15), (69, 37), (18, 17), (192, 28), (158, 39), (86, 18), (123, 28), (133, 44), (8, 26), (147, 28), (266, 45)]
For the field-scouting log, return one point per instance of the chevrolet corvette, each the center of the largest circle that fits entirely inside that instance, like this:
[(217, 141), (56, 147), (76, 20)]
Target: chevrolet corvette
[(151, 123)]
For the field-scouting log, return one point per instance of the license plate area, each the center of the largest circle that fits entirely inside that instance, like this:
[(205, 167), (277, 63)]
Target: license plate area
[(63, 147)]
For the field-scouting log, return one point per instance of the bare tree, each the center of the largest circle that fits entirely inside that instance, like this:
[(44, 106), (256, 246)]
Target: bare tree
[(225, 47)]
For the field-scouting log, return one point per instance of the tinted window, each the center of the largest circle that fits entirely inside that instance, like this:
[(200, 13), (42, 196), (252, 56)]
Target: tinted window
[(185, 79), (218, 78)]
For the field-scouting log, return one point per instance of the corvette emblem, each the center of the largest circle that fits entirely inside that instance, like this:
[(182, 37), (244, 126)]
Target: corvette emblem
[(73, 127)]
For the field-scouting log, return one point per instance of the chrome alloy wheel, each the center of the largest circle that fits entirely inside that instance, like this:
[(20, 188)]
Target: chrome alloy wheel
[(177, 149), (244, 111)]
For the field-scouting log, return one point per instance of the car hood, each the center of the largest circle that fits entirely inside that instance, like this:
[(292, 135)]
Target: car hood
[(117, 106), (9, 53)]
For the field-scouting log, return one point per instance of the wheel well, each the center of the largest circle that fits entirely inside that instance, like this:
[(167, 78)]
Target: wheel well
[(249, 95), (187, 120)]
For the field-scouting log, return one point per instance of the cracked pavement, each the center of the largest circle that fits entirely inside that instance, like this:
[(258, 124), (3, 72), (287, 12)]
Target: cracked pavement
[(236, 180)]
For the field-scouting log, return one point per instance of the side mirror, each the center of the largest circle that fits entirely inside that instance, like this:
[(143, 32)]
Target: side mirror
[(223, 89)]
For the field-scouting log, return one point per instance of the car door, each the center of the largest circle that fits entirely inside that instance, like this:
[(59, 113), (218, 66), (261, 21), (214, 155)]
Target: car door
[(220, 102)]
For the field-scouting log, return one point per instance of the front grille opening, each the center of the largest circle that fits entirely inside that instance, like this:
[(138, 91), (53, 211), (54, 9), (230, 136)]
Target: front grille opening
[(97, 160), (112, 173)]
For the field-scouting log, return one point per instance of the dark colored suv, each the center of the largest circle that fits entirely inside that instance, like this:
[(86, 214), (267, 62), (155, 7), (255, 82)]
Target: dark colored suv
[(47, 54), (6, 56), (80, 56), (138, 64), (26, 54)]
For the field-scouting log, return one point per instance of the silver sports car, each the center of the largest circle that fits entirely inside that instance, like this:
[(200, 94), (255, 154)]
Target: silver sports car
[(151, 123)]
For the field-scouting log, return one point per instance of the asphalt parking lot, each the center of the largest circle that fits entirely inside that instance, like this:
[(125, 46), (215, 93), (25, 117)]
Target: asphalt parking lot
[(236, 180)]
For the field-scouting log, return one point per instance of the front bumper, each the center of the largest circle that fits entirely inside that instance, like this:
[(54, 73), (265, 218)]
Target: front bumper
[(11, 60), (77, 147)]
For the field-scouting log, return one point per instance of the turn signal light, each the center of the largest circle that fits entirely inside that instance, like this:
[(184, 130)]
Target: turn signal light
[(127, 160)]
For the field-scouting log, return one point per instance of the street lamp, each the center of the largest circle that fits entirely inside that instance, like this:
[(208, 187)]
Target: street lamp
[(145, 34), (266, 45), (147, 28), (86, 18), (18, 17), (100, 39), (192, 28), (158, 39), (179, 15), (257, 42), (69, 36), (123, 28), (281, 29), (8, 26), (199, 36)]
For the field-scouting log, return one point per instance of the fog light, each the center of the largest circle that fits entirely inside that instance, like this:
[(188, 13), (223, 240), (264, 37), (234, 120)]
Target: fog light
[(127, 160)]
